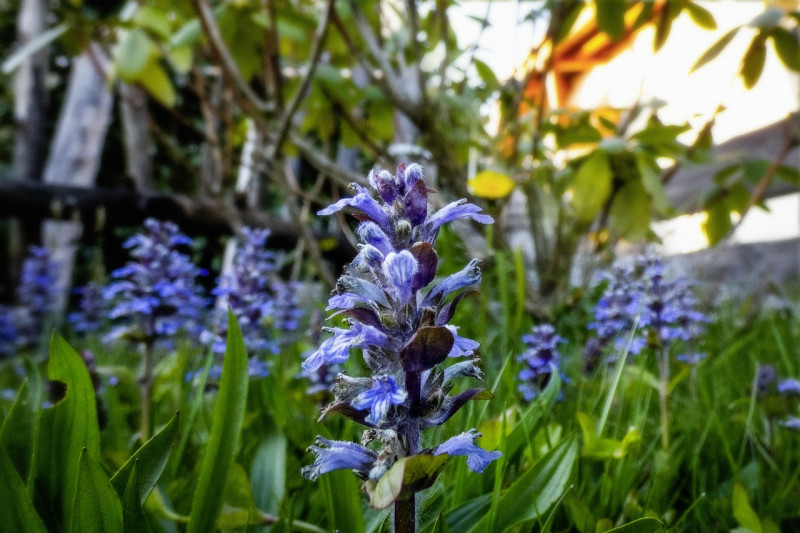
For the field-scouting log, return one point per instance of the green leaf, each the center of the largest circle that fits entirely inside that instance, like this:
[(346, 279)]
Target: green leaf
[(531, 419), (17, 431), (133, 517), (710, 54), (642, 525), (96, 507), (701, 16), (187, 35), (466, 516), (226, 427), (650, 174), (64, 431), (150, 460), (343, 501), (591, 186), (745, 516), (16, 509), (539, 488), (787, 47), (31, 47), (630, 212), (768, 19), (718, 223), (485, 73), (181, 58), (408, 475), (135, 53), (155, 80), (268, 472), (753, 61), (611, 18), (154, 20)]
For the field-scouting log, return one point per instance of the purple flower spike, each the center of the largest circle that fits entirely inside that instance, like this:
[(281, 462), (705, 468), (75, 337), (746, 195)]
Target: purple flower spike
[(400, 270), (399, 319), (363, 201), (789, 387), (792, 422), (384, 393), (477, 458), (470, 275), (462, 346), (454, 211), (337, 455)]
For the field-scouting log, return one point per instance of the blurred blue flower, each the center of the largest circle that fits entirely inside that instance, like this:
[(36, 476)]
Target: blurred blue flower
[(156, 293), (477, 458), (248, 290), (662, 310), (397, 315), (336, 455), (91, 309), (384, 393), (540, 360)]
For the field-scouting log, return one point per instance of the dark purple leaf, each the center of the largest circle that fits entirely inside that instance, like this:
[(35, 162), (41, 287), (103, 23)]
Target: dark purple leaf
[(449, 310), (344, 408), (416, 203), (454, 403), (427, 261), (363, 315), (426, 349)]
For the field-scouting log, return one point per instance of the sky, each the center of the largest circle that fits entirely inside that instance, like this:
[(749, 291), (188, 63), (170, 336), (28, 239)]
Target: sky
[(639, 73)]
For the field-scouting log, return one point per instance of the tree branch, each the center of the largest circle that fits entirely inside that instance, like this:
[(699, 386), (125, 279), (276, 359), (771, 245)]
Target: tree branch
[(220, 49)]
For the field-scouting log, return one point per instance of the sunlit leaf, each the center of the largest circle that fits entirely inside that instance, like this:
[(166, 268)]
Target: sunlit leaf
[(787, 47), (742, 512), (716, 48), (630, 211), (491, 185), (591, 186), (611, 18), (753, 61), (768, 19), (134, 55), (700, 16), (718, 223), (156, 81)]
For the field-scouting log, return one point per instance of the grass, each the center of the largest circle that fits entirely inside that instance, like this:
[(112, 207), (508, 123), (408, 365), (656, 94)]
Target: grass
[(730, 463)]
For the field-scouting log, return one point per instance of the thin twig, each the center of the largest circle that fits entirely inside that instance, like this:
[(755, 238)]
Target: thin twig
[(212, 31), (288, 115)]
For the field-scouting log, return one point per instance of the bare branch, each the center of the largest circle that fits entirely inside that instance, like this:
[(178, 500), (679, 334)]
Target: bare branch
[(206, 16), (288, 115)]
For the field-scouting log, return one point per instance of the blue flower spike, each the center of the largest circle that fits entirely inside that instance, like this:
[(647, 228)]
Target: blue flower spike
[(397, 315)]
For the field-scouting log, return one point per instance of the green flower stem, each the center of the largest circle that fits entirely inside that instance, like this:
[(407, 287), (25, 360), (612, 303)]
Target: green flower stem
[(145, 390), (663, 392), (405, 509), (619, 368)]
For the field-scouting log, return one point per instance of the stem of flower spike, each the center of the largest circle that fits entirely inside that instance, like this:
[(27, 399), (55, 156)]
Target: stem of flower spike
[(405, 510), (663, 391), (145, 388)]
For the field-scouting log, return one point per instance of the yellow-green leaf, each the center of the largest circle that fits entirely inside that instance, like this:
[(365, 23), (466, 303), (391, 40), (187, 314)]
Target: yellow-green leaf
[(591, 186), (491, 185), (134, 55), (630, 212), (742, 512), (155, 80)]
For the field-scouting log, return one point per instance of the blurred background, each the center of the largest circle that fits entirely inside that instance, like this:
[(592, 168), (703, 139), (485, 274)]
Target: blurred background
[(586, 128)]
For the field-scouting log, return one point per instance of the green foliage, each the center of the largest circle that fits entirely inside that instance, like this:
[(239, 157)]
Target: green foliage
[(225, 433)]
